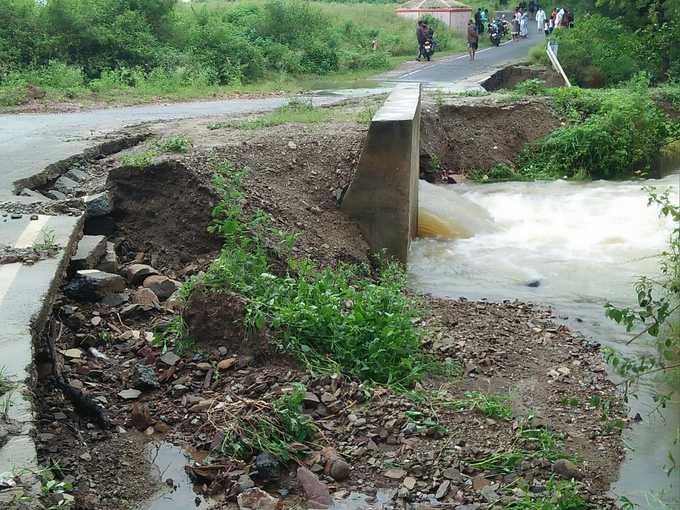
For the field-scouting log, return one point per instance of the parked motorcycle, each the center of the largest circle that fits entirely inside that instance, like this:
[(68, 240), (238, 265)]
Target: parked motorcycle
[(496, 30)]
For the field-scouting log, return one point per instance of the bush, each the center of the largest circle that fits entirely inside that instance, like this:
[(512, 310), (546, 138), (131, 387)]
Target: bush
[(615, 135)]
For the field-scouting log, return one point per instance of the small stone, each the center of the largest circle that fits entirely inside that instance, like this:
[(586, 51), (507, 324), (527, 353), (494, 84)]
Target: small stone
[(453, 474), (96, 321), (489, 494), (144, 377), (170, 358), (34, 217), (116, 299), (564, 371), (566, 469), (93, 285), (311, 400), (315, 490), (137, 273), (162, 286), (73, 353), (204, 366), (245, 483), (267, 467), (479, 482), (394, 474), (292, 145), (327, 398), (144, 297), (340, 470), (129, 394), (443, 489), (256, 499), (86, 457), (226, 364), (409, 482)]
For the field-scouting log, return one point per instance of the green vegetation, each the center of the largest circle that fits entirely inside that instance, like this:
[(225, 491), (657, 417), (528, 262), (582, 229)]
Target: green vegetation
[(256, 426), (493, 406), (558, 495), (178, 144), (346, 319), (656, 313), (423, 422), (301, 112), (5, 382), (112, 49), (175, 333), (46, 243), (530, 442)]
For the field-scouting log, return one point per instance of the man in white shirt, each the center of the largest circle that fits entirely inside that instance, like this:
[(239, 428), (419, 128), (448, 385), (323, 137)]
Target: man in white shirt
[(540, 19), (558, 18)]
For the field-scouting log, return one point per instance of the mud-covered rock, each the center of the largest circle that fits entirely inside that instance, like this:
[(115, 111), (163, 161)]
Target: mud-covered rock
[(136, 273), (162, 286)]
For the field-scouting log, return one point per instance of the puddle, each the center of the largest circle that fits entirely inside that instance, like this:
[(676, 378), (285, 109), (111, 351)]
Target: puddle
[(170, 461)]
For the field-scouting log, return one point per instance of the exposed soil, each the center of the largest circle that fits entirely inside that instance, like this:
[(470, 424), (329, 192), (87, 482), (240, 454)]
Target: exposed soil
[(476, 133), (297, 173)]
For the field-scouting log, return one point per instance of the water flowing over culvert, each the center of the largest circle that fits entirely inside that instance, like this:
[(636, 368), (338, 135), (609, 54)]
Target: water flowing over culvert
[(573, 246)]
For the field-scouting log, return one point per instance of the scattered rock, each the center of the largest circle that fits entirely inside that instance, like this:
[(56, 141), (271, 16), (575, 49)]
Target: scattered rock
[(443, 489), (267, 467), (394, 474), (340, 470), (409, 482), (116, 299), (479, 482), (91, 250), (256, 499), (162, 286), (73, 353), (317, 492), (140, 418), (566, 469), (100, 204), (56, 195), (489, 494), (130, 394), (135, 274), (292, 145), (170, 358), (245, 483), (534, 283), (66, 186), (93, 285), (226, 364), (86, 457), (144, 377), (76, 175), (453, 474), (144, 297)]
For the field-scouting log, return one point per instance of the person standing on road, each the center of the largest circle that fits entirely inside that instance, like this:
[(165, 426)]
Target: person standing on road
[(478, 21), (420, 36), (515, 25), (540, 19), (473, 40), (524, 25)]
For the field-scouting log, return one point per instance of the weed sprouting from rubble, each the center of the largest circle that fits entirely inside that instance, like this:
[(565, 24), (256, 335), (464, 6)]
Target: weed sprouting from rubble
[(343, 319)]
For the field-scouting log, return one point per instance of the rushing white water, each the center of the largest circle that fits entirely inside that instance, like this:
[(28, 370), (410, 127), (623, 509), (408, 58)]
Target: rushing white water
[(584, 244)]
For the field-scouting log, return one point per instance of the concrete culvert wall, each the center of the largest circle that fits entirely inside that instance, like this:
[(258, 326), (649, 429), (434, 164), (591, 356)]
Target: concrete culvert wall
[(163, 210)]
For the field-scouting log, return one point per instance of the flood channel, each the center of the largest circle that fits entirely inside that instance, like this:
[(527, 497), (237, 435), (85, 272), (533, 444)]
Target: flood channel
[(579, 245)]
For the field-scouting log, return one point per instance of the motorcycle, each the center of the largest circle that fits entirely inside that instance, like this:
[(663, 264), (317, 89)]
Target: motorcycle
[(496, 33), (428, 49)]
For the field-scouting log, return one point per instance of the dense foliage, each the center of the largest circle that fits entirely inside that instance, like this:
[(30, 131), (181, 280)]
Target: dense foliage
[(98, 45), (613, 40)]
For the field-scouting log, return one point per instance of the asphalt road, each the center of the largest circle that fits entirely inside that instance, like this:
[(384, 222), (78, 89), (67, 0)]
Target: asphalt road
[(459, 68), (30, 142)]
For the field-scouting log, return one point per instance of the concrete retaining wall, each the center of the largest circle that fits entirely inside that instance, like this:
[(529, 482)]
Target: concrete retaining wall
[(383, 196)]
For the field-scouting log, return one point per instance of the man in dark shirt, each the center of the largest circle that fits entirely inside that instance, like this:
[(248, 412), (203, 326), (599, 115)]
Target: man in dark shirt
[(421, 36)]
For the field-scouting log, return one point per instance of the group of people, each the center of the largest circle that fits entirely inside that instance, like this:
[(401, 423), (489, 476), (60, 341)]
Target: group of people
[(559, 18)]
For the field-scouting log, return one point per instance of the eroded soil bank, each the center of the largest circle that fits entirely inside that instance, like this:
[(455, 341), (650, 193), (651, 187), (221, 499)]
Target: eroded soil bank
[(427, 452)]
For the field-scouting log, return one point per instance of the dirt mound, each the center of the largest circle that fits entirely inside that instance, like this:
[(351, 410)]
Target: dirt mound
[(217, 319), (510, 76), (298, 173), (164, 211), (479, 133)]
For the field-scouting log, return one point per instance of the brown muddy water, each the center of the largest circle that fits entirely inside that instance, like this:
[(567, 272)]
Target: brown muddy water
[(580, 245)]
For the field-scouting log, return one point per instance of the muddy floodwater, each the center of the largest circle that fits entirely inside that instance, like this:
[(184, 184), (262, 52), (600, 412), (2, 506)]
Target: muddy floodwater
[(573, 246)]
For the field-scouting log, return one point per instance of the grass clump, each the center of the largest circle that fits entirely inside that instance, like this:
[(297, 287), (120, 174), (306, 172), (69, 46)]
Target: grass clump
[(138, 159), (175, 333), (255, 426), (47, 242), (345, 319), (558, 495), (6, 383), (530, 442), (493, 406), (178, 144)]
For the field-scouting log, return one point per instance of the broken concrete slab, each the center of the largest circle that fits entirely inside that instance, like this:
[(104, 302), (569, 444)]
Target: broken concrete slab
[(34, 194), (100, 204), (91, 250), (93, 285), (26, 297), (66, 185), (55, 195), (110, 262)]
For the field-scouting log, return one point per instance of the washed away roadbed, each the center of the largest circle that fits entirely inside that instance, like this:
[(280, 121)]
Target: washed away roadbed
[(515, 410)]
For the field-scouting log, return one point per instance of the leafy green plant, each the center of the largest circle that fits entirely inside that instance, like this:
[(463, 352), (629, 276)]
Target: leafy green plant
[(340, 319), (138, 159), (175, 333), (46, 243), (494, 406), (530, 442), (558, 495), (178, 144), (533, 87), (423, 422), (260, 427), (497, 173)]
